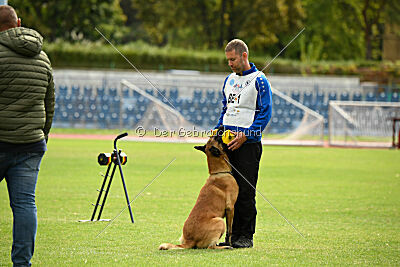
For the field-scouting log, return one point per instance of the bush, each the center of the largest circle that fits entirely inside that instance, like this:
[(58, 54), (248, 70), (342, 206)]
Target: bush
[(144, 56)]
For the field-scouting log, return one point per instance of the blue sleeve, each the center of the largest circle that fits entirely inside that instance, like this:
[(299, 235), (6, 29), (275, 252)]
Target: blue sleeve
[(221, 117), (263, 109)]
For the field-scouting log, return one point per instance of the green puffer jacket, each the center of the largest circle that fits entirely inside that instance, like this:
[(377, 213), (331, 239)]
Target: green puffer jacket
[(26, 87)]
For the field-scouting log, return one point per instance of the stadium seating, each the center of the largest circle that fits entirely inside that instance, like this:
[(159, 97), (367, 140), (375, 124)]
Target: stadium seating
[(106, 107)]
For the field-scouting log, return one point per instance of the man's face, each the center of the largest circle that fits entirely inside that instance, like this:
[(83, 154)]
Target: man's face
[(235, 61)]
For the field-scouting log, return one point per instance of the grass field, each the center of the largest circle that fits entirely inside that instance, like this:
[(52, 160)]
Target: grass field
[(345, 201)]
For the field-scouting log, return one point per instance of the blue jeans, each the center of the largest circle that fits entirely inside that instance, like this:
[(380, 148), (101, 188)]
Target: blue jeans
[(21, 172)]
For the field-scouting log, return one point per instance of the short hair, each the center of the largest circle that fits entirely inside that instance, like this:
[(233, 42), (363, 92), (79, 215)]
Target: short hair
[(238, 45), (8, 18)]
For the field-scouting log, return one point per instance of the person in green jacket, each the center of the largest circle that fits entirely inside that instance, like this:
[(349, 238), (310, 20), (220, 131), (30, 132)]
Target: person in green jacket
[(26, 114)]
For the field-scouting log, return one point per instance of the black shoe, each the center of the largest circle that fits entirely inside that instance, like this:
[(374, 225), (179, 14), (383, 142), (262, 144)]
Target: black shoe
[(243, 242), (226, 242)]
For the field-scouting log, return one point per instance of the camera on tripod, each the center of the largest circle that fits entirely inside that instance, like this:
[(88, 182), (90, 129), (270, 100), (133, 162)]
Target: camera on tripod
[(106, 158)]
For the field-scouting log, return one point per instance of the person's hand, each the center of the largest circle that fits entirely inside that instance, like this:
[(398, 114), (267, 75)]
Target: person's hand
[(238, 141)]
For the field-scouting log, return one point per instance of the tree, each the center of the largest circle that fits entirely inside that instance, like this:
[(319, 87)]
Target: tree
[(212, 23), (72, 20)]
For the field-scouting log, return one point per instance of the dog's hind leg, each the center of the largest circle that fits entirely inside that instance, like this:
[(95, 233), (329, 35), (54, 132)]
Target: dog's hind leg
[(212, 233)]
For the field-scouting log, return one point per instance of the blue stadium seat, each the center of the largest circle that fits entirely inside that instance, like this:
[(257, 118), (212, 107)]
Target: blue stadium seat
[(197, 94), (63, 90), (212, 121), (77, 116), (100, 92), (127, 121), (69, 108), (288, 122), (150, 91), (198, 119), (210, 94), (173, 95), (296, 95), (344, 96), (112, 92), (115, 104), (332, 96), (215, 101), (307, 98), (75, 90), (105, 108), (87, 91), (395, 97), (135, 94), (370, 97), (64, 116), (277, 101), (89, 117), (126, 92), (319, 98), (114, 119), (204, 111), (80, 108), (382, 97), (220, 96), (161, 94), (60, 99), (357, 96), (101, 120)]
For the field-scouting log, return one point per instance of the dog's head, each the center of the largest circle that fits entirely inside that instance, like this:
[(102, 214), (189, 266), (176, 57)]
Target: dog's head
[(215, 147)]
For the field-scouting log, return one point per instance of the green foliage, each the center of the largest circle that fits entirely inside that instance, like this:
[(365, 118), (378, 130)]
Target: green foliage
[(211, 24), (145, 56), (335, 29), (72, 20), (345, 202)]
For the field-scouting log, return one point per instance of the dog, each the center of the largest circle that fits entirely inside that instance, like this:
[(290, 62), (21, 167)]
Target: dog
[(205, 224)]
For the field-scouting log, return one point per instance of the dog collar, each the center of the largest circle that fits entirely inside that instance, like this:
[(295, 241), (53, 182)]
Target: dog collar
[(220, 173)]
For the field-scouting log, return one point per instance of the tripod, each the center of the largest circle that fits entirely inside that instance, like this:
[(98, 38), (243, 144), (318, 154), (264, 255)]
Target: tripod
[(114, 159)]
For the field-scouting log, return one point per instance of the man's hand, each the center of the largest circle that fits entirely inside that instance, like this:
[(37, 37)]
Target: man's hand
[(238, 141)]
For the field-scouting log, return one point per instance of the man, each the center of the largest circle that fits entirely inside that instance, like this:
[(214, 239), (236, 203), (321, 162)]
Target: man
[(26, 114), (246, 111)]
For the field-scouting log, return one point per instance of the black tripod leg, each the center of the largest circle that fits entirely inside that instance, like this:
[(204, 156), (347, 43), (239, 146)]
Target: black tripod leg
[(126, 191), (107, 190), (100, 192)]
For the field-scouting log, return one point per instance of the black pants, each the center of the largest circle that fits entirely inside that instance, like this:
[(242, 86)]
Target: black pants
[(246, 160)]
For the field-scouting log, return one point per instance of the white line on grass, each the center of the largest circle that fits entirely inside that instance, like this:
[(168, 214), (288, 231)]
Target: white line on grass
[(136, 197)]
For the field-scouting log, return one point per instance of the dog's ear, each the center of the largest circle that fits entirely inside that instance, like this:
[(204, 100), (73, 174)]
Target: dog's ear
[(215, 151), (201, 148)]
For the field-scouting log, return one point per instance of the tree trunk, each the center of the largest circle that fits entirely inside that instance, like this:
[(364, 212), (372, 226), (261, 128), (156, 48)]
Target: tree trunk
[(222, 24), (367, 39)]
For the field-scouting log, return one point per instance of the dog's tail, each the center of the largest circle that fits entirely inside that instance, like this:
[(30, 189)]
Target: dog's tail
[(166, 246)]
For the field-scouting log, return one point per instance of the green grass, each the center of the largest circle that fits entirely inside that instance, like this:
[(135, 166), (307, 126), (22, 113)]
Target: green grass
[(345, 201)]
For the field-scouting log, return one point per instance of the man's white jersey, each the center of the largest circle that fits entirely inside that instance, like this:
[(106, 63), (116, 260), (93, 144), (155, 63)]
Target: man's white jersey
[(241, 97)]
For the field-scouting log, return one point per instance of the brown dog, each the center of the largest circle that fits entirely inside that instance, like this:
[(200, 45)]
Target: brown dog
[(205, 224)]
